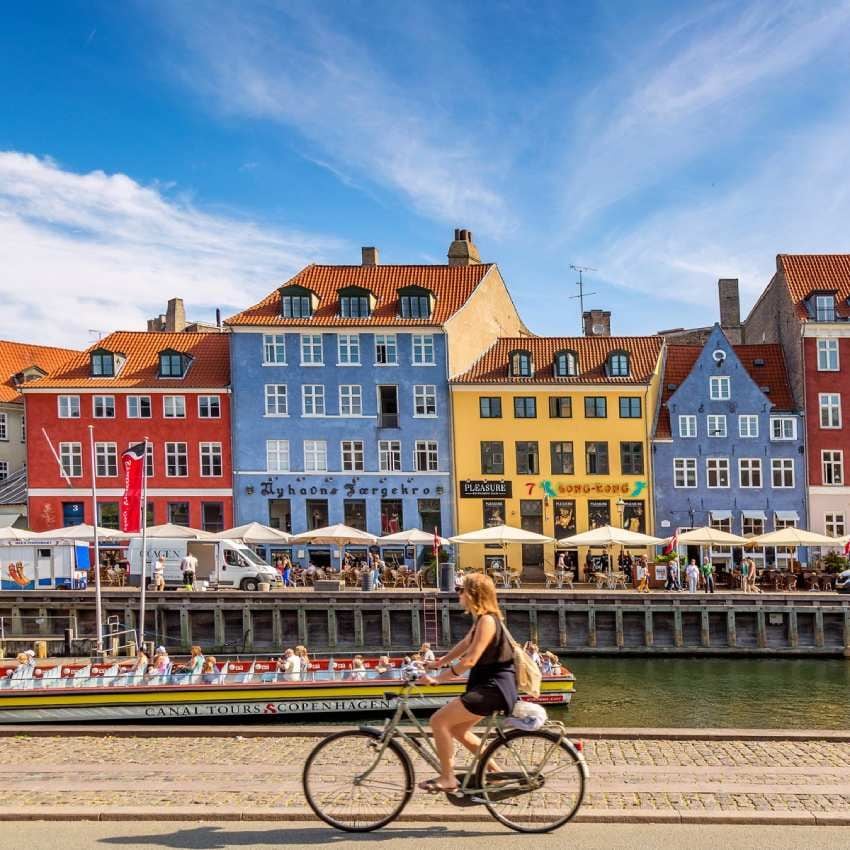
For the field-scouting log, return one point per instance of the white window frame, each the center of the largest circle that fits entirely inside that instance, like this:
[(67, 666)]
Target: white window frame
[(782, 421), (348, 349), (73, 452), (102, 401), (717, 465), (173, 449), (209, 452), (687, 426), (829, 404), (835, 523), (272, 398), (315, 455), (4, 426), (208, 399), (107, 455), (686, 467), (316, 394), (835, 462), (748, 426), (781, 466), (752, 468), (71, 403), (352, 455), (718, 418), (824, 308), (4, 470), (390, 344), (350, 400), (174, 398), (277, 456), (422, 350), (430, 450), (310, 347), (719, 388), (827, 352), (138, 400), (422, 395), (274, 344), (389, 455)]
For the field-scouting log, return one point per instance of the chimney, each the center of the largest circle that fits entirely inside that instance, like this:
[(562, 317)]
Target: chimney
[(462, 252), (596, 322), (175, 316), (369, 256), (730, 308)]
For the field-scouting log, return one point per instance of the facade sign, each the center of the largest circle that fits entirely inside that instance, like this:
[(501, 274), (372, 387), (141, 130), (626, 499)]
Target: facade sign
[(565, 518), (634, 516), (494, 512), (485, 489)]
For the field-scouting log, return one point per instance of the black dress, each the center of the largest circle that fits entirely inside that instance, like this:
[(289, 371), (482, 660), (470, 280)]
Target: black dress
[(492, 681)]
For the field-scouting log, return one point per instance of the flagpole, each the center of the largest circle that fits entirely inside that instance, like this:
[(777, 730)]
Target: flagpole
[(98, 600), (144, 545)]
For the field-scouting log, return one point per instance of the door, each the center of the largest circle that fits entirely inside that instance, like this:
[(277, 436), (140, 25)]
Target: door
[(387, 406), (72, 513), (531, 519)]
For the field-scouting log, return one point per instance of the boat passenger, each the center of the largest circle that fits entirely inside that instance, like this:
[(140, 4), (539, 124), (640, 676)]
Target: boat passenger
[(427, 653), (161, 666), (291, 666), (533, 652), (24, 670), (138, 670), (358, 669), (306, 666), (210, 674), (384, 668), (551, 664), (196, 664)]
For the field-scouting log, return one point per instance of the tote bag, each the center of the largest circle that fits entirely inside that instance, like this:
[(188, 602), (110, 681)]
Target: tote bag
[(528, 675)]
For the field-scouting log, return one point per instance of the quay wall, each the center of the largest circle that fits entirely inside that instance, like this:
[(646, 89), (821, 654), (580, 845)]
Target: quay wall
[(569, 623)]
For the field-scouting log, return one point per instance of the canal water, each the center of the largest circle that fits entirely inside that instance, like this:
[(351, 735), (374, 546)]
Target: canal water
[(710, 692)]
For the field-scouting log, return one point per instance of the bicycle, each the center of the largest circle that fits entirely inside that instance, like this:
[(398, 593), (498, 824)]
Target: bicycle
[(361, 779)]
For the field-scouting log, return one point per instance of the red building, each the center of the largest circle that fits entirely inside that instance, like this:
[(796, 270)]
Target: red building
[(174, 389)]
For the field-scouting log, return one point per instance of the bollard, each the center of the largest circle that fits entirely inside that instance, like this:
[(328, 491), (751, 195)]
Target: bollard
[(41, 649), (131, 648)]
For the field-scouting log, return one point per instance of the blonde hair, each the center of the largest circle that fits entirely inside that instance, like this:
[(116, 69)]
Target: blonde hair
[(196, 650), (481, 595)]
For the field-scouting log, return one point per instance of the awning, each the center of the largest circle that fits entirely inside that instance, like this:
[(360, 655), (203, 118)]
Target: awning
[(8, 520), (720, 515), (754, 515), (787, 516)]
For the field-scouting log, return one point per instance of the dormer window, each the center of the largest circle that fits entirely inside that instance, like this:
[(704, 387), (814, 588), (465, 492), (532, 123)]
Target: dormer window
[(102, 364), (296, 302), (618, 365), (355, 303), (825, 308), (566, 364), (172, 364), (415, 302), (521, 364)]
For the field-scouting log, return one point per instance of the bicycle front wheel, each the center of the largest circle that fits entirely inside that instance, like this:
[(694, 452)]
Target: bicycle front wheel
[(531, 781), (349, 786)]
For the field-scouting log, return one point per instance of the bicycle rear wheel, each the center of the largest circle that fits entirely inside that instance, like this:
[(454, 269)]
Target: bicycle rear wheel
[(531, 781), (347, 789)]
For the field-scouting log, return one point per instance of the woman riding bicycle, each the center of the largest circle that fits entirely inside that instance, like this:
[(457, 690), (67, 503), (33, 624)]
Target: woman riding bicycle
[(488, 655)]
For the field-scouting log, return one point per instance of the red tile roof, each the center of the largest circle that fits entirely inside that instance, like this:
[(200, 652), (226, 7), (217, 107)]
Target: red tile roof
[(807, 273), (450, 285), (17, 356), (492, 367), (209, 351), (681, 359)]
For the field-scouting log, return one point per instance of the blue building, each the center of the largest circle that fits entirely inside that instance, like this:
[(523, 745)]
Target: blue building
[(341, 406), (728, 449)]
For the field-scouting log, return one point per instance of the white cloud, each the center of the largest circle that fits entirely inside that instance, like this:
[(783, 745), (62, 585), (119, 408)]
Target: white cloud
[(99, 251)]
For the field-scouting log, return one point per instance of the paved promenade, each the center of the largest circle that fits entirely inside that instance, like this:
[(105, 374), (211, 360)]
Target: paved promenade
[(723, 778)]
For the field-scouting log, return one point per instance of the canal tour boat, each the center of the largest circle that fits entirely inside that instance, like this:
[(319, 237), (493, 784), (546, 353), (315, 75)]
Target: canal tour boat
[(77, 693)]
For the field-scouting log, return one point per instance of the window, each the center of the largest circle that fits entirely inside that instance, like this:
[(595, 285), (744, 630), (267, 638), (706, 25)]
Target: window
[(354, 513), (752, 526), (350, 400), (313, 399), (171, 364), (629, 407), (425, 456), (277, 455), (415, 306), (212, 514), (389, 455), (834, 524), (687, 426), (348, 349), (4, 470), (748, 426), (430, 514), (566, 364), (176, 460), (138, 407), (684, 472), (209, 407), (106, 460), (386, 350), (749, 472), (315, 456), (525, 407), (178, 513), (174, 406), (618, 365), (490, 407), (631, 458), (276, 400), (317, 513), (830, 410), (424, 400), (392, 516), (296, 306), (107, 514), (4, 427), (825, 308), (521, 365), (492, 458), (102, 364), (274, 349), (561, 453), (717, 472), (719, 388), (596, 458), (69, 407), (827, 355), (527, 458), (782, 472), (716, 425), (71, 456), (352, 456), (832, 465), (354, 306), (311, 350), (210, 460), (560, 407), (423, 350), (783, 428), (103, 406), (595, 407)]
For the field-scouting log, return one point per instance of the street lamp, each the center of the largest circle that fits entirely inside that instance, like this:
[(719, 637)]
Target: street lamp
[(621, 510)]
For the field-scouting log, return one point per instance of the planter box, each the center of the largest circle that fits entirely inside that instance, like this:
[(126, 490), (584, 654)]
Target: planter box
[(326, 585)]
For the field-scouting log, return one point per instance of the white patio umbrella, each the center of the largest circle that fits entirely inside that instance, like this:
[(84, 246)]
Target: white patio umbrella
[(335, 535), (183, 532), (501, 534), (607, 536), (793, 537), (84, 531), (8, 534), (708, 536), (254, 533), (412, 537)]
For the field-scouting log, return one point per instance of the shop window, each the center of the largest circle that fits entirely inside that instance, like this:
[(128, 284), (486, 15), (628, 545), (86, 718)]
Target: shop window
[(430, 516), (280, 514), (354, 513), (212, 514), (317, 513), (392, 516)]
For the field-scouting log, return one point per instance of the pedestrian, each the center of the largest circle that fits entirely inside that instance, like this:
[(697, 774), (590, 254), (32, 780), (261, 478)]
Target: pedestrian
[(671, 570), (707, 571), (752, 575), (189, 566), (159, 573), (642, 576), (692, 576), (744, 572), (286, 575)]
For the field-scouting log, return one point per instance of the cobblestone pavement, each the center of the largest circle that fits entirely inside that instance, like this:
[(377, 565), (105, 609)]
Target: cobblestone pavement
[(254, 774)]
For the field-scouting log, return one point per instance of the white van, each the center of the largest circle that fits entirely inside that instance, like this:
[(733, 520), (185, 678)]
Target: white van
[(223, 563)]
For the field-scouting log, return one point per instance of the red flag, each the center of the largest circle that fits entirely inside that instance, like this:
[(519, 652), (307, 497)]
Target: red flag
[(847, 548), (133, 465), (673, 545)]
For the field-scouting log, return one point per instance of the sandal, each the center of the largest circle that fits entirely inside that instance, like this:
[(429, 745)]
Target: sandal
[(432, 786)]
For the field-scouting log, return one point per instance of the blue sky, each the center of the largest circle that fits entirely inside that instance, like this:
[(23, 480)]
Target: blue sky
[(210, 150)]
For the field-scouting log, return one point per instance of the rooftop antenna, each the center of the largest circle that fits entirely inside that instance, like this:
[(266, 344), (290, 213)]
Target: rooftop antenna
[(580, 285)]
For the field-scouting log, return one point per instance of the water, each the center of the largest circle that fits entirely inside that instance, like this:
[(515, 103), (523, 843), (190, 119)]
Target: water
[(710, 693)]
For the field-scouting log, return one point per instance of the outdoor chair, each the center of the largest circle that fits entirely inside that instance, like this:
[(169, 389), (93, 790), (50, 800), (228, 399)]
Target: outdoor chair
[(551, 578)]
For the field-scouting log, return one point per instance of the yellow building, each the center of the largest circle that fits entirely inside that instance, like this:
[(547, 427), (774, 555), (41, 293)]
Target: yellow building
[(551, 434)]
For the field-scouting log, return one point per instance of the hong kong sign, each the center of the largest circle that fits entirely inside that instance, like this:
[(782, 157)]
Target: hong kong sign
[(485, 489)]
